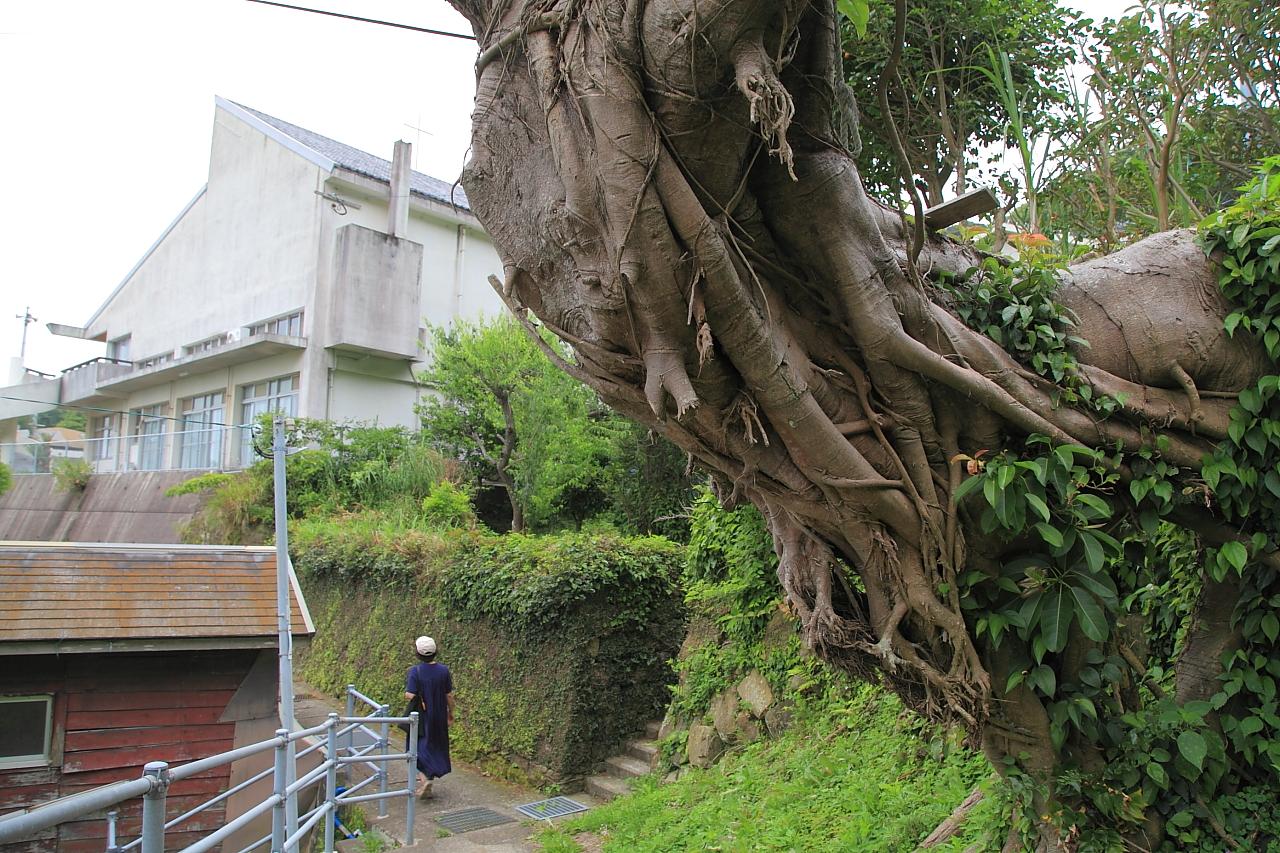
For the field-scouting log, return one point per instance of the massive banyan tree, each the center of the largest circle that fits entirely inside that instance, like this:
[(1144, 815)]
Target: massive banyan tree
[(672, 187)]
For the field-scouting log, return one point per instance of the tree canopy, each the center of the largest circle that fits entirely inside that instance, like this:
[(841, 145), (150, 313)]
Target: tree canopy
[(516, 422)]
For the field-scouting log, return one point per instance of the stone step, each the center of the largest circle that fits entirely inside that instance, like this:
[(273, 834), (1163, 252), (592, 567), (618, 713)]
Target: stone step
[(651, 729), (606, 787), (625, 767), (644, 750)]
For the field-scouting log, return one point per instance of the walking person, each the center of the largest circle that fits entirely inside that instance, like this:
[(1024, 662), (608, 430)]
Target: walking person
[(433, 682)]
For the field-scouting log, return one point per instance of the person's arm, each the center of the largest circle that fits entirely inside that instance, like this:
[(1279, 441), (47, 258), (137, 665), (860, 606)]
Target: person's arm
[(411, 684), (449, 701)]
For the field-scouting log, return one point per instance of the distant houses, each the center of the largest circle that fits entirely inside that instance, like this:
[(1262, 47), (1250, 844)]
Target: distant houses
[(115, 655), (300, 279)]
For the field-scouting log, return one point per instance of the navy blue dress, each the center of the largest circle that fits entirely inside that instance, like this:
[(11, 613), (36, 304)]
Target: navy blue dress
[(433, 682)]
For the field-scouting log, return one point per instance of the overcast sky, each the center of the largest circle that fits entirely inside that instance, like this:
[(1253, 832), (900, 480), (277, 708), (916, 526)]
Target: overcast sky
[(106, 112)]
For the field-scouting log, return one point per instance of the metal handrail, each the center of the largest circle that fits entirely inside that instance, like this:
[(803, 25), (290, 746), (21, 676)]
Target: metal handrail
[(157, 776), (19, 825)]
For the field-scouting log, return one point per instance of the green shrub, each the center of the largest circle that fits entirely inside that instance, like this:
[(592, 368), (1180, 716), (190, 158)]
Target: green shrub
[(6, 478), (70, 475), (201, 483), (447, 506), (559, 644)]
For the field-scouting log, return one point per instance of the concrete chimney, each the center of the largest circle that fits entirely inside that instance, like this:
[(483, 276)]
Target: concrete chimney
[(398, 204)]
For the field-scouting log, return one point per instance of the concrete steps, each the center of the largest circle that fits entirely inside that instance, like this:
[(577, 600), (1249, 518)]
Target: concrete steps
[(618, 771), (644, 750)]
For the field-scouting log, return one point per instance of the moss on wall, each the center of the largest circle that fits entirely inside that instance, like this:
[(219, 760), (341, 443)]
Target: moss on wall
[(559, 645)]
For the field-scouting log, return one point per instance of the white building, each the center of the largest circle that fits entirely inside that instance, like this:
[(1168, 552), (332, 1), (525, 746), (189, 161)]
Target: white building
[(301, 278)]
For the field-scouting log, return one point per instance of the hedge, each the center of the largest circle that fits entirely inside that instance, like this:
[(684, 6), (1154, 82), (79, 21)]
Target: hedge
[(559, 645)]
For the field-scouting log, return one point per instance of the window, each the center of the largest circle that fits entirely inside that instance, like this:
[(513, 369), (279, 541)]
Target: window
[(290, 324), (153, 361), (26, 730), (148, 437), (201, 436), (273, 395), (104, 437), (120, 347), (208, 344)]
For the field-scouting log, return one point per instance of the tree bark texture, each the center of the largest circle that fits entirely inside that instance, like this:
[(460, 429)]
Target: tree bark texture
[(672, 187)]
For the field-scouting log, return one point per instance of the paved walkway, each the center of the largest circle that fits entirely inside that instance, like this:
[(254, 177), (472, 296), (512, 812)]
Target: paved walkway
[(464, 788)]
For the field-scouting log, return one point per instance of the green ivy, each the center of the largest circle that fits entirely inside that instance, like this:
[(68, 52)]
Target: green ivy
[(1098, 556)]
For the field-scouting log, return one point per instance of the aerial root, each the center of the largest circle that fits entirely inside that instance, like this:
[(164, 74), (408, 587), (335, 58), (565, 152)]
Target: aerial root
[(771, 105)]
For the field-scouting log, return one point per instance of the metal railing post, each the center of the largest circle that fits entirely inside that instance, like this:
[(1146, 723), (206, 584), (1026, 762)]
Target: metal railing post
[(280, 779), (411, 747), (384, 742), (331, 782), (349, 739), (112, 817), (153, 806)]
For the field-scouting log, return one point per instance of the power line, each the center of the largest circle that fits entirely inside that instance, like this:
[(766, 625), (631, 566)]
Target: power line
[(367, 20), (103, 411)]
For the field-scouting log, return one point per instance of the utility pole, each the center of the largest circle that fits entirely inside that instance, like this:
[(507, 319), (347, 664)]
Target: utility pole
[(284, 596), (27, 320)]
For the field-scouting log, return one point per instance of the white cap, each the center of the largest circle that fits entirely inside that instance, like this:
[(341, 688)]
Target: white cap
[(425, 646)]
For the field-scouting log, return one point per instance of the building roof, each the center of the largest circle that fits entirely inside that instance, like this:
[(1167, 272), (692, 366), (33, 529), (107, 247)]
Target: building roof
[(361, 162), (69, 596)]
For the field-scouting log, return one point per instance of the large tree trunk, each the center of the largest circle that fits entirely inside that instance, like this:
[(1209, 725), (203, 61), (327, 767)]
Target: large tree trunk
[(671, 185)]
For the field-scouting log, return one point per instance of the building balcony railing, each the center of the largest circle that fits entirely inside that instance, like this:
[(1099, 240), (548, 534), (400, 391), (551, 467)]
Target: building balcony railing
[(206, 449), (81, 381)]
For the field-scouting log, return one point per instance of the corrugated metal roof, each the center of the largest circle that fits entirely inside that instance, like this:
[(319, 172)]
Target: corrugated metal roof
[(364, 163), (60, 591)]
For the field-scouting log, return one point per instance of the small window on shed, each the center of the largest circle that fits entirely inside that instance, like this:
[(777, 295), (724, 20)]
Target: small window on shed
[(26, 730)]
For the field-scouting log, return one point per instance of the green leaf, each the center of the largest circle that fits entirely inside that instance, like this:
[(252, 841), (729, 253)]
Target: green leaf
[(1044, 678), (1193, 748), (1271, 626), (1055, 618), (858, 12), (969, 485), (1050, 534), (1236, 554), (1139, 489), (1093, 554), (1092, 620), (1038, 504), (1100, 507), (1251, 400)]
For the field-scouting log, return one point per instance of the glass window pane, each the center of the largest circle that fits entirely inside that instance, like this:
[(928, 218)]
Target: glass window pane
[(24, 729)]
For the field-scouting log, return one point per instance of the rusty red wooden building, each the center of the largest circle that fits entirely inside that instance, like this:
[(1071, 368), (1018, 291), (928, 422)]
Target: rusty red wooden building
[(115, 655)]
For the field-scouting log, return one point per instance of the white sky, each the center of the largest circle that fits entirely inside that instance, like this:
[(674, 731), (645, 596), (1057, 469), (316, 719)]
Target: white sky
[(106, 115), (106, 112)]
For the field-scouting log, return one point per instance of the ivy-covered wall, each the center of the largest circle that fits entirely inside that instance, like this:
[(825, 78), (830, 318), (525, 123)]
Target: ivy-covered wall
[(559, 645)]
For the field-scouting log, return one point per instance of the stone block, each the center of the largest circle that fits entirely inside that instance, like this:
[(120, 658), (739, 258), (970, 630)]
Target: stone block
[(724, 708), (705, 746), (756, 692), (748, 727), (777, 720)]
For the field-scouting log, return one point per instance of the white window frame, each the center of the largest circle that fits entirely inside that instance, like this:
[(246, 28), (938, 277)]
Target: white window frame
[(291, 323), (271, 401), (200, 432), (45, 758)]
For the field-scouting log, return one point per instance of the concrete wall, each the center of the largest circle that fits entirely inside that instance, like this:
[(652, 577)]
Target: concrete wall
[(376, 291), (243, 252), (113, 508)]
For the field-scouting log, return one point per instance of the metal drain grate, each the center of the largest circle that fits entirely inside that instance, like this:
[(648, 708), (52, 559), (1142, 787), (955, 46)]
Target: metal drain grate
[(466, 820), (554, 807)]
